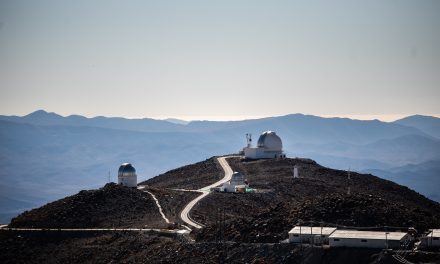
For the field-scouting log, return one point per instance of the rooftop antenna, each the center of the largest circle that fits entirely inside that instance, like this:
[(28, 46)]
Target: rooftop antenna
[(249, 140)]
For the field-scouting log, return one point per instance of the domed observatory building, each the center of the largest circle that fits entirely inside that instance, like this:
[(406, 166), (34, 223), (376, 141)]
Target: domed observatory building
[(127, 175), (269, 146), (236, 184)]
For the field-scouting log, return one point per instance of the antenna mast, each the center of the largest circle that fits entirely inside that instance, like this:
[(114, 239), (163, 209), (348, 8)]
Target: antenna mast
[(249, 140)]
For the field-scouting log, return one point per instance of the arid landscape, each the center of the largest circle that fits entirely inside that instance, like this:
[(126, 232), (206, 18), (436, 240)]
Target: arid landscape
[(238, 227)]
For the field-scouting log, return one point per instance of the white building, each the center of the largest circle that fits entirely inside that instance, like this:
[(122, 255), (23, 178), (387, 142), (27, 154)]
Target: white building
[(295, 172), (127, 175), (269, 146), (310, 235), (368, 239), (237, 181), (432, 239)]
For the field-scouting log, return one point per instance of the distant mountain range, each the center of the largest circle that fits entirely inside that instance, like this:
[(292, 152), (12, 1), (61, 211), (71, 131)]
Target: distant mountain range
[(428, 124), (45, 156)]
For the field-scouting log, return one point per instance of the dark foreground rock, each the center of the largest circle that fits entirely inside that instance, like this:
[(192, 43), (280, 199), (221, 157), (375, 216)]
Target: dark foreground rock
[(120, 247)]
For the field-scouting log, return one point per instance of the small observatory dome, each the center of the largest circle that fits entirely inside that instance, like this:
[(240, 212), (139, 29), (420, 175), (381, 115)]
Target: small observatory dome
[(270, 141), (237, 179), (127, 175)]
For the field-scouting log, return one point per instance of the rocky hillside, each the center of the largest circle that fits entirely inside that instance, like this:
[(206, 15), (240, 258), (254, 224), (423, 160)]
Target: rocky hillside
[(320, 195), (111, 206), (252, 224), (192, 177), (124, 247), (142, 248)]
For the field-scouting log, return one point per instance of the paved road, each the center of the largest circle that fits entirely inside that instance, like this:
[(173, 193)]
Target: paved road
[(226, 178), (157, 203), (184, 215), (175, 231)]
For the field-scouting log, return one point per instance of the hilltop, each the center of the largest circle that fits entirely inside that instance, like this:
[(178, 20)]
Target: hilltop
[(254, 223)]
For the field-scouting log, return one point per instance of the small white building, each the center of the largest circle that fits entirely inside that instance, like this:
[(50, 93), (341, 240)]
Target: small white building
[(236, 182), (127, 175), (432, 239), (310, 235), (269, 146), (295, 172), (368, 239)]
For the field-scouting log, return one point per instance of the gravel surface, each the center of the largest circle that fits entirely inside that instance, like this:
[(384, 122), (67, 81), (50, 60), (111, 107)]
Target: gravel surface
[(192, 177)]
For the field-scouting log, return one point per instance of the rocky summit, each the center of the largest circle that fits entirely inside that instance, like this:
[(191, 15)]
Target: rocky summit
[(237, 227)]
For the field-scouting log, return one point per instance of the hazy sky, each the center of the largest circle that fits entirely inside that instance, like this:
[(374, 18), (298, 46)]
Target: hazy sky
[(220, 59)]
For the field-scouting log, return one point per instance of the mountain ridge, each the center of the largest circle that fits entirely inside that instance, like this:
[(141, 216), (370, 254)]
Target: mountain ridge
[(56, 160), (310, 123), (428, 124)]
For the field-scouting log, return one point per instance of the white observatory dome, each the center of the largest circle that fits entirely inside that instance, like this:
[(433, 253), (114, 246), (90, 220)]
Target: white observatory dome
[(126, 170), (270, 141), (237, 178), (127, 175)]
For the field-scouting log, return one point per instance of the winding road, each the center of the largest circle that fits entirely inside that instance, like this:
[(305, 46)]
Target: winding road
[(157, 230), (184, 215)]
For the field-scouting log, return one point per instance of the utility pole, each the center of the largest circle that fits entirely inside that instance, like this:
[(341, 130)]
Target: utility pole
[(221, 234), (386, 239), (300, 238), (321, 238), (386, 236)]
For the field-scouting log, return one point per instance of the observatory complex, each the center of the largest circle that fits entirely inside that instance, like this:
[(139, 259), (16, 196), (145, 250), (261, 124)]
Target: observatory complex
[(269, 146), (127, 175)]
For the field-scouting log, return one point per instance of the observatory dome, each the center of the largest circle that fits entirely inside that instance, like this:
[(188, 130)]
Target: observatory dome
[(270, 141), (237, 177), (126, 170)]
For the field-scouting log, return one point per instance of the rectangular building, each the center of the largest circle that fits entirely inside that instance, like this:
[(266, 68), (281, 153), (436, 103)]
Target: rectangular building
[(310, 235), (432, 239), (367, 239)]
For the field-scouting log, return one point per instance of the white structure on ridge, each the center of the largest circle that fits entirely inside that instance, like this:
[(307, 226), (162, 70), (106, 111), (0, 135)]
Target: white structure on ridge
[(127, 175), (432, 239), (236, 183), (311, 235), (295, 172), (269, 146), (368, 239)]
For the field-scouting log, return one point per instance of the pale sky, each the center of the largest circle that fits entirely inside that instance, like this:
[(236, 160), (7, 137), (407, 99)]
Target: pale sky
[(220, 59)]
